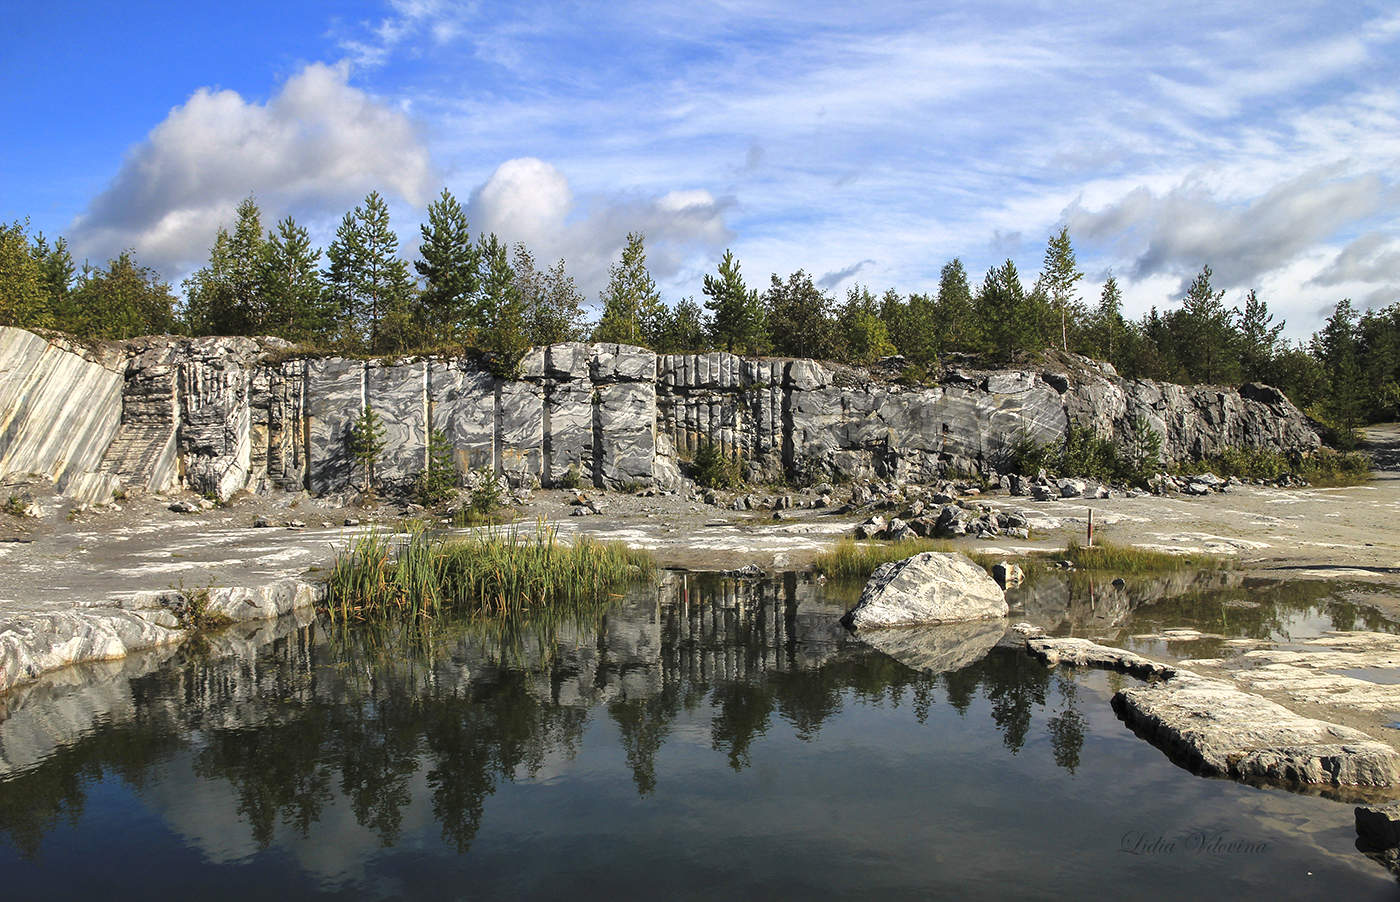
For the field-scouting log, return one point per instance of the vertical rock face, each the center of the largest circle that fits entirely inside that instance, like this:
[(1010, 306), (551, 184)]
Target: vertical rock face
[(60, 408), (223, 414)]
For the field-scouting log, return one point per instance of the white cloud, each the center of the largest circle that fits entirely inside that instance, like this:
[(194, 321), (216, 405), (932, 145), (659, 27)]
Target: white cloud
[(529, 200), (316, 146)]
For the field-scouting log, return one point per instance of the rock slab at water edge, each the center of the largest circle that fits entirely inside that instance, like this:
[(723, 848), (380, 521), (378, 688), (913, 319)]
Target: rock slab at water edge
[(932, 587)]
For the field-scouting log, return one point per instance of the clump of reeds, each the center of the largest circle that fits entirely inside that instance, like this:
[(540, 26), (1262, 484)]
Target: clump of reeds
[(850, 559), (498, 571), (1107, 556)]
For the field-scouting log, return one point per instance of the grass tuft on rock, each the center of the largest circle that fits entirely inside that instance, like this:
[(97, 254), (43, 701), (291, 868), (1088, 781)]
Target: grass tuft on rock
[(850, 559), (498, 571), (1104, 557)]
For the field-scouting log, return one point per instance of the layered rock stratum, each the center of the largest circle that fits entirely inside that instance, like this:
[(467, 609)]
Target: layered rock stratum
[(220, 415)]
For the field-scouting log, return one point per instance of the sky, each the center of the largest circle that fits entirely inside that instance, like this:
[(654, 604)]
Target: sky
[(865, 143)]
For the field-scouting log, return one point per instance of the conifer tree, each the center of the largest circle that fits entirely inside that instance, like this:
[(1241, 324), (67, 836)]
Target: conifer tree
[(124, 300), (864, 336), (366, 444), (1058, 277), (291, 284), (1259, 338), (366, 279), (958, 326), (503, 338), (799, 317), (24, 295), (450, 271), (685, 330), (553, 304), (735, 310), (632, 306)]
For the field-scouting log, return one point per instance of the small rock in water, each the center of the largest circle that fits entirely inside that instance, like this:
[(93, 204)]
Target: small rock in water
[(1007, 574)]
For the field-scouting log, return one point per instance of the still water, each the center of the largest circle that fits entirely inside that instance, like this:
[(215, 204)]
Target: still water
[(700, 738)]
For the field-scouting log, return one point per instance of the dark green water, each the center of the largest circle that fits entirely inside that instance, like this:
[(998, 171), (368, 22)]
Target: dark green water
[(700, 739)]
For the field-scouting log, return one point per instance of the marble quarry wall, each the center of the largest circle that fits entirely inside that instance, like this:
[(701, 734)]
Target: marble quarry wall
[(218, 415)]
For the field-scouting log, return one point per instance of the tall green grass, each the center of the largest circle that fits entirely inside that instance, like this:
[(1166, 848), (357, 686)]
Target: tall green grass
[(500, 571), (1107, 556), (1323, 467)]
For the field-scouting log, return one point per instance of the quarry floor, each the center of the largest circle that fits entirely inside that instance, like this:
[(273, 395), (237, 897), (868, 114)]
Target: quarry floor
[(54, 563)]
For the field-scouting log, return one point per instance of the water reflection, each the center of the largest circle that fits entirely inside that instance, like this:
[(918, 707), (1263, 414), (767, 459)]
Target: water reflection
[(299, 729), (292, 717)]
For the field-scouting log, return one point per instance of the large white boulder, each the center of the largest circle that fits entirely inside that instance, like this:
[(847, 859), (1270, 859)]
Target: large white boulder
[(931, 587)]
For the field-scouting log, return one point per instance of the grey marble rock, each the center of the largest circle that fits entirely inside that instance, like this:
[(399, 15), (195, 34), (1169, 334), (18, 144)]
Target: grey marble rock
[(931, 587)]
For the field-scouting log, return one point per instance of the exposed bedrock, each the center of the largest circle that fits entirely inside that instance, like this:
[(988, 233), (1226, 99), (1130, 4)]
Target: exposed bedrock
[(217, 415)]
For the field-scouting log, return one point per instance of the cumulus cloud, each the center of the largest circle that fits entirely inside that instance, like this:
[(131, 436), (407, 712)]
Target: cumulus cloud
[(1178, 230), (316, 146), (529, 200)]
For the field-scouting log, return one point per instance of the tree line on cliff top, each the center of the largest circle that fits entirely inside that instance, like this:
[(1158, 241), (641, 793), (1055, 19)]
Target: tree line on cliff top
[(483, 296)]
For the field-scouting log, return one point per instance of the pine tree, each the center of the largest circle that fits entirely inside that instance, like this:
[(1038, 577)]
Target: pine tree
[(1205, 333), (685, 329), (1058, 276), (959, 328), (1336, 346), (56, 265), (124, 300), (226, 296), (450, 271), (918, 338), (366, 443), (735, 310), (1259, 338), (799, 317), (1009, 316), (503, 339), (439, 478), (631, 304), (25, 300), (366, 280), (1108, 320), (291, 284)]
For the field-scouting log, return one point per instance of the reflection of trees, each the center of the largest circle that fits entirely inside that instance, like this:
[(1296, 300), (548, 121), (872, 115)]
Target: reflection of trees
[(362, 714)]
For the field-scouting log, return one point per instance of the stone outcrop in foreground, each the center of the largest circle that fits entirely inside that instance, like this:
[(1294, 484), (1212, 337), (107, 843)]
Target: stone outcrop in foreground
[(34, 643), (219, 415), (928, 588), (1217, 729)]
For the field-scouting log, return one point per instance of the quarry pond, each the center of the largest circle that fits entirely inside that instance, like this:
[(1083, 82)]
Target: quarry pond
[(701, 736)]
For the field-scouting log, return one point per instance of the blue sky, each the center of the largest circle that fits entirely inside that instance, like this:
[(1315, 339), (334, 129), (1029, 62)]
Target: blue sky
[(864, 143)]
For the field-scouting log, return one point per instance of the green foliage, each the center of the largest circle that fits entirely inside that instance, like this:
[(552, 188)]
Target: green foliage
[(486, 498), (553, 305), (632, 308), (123, 301), (448, 266), (685, 329), (366, 443), (713, 469), (368, 283), (14, 506), (571, 479), (504, 340), (496, 571), (1324, 467), (196, 614), (1082, 453), (1108, 557), (1058, 277), (736, 311), (863, 336), (25, 297), (438, 481), (799, 318)]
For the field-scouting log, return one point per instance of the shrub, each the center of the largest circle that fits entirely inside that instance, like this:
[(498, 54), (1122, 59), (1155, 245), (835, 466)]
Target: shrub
[(713, 469), (438, 480)]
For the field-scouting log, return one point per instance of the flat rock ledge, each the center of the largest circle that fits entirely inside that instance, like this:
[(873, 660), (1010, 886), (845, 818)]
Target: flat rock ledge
[(33, 644), (928, 588), (1083, 653), (1217, 729)]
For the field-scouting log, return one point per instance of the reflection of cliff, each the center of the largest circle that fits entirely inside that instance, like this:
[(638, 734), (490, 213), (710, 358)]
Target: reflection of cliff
[(296, 722), (1075, 602)]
